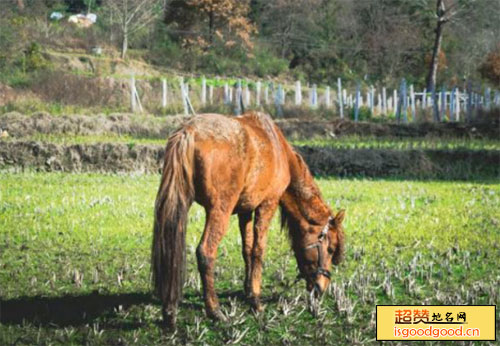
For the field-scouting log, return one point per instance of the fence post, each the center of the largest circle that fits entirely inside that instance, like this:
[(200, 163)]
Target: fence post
[(278, 101), (183, 95), (238, 99), (379, 103), (424, 99), (313, 98), (487, 98), (339, 98), (226, 93), (372, 99), (298, 93), (468, 116), (164, 93), (452, 104), (435, 106), (266, 94), (402, 105), (211, 93), (384, 101), (257, 93), (247, 95), (203, 90), (327, 97), (443, 103), (356, 103), (395, 101), (132, 94), (412, 100), (457, 104)]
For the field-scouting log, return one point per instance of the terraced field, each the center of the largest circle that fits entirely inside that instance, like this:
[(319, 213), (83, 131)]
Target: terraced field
[(76, 202)]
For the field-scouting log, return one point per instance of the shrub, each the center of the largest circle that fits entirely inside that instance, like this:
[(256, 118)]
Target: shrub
[(70, 89)]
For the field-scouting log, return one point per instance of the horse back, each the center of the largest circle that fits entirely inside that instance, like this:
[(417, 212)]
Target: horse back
[(239, 161)]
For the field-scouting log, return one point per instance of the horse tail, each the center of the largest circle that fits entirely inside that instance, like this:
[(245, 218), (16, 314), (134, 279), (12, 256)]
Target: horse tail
[(175, 196)]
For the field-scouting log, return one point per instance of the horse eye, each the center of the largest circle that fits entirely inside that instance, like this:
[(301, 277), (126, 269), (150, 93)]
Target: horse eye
[(330, 251)]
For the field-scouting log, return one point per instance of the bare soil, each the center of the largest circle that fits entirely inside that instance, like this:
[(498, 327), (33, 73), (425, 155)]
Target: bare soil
[(115, 157)]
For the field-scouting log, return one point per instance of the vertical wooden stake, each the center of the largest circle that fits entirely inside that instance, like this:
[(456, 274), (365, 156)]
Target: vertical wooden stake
[(257, 93), (356, 104), (226, 94), (203, 90), (340, 98), (132, 94), (443, 103), (412, 101), (298, 93), (164, 93), (384, 101), (327, 97), (247, 95), (395, 101)]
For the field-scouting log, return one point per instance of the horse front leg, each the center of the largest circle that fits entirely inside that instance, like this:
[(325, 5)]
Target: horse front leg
[(245, 223), (216, 226), (263, 215)]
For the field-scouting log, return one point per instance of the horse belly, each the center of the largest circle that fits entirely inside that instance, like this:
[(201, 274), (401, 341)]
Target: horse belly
[(267, 179)]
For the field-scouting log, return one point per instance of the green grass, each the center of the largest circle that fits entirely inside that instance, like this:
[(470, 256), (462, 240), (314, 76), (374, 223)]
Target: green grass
[(347, 142), (77, 234), (357, 142)]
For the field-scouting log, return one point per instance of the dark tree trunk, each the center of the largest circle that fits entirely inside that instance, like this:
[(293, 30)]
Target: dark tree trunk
[(432, 76), (211, 23)]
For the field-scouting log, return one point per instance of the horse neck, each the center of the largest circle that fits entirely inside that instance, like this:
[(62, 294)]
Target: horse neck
[(302, 199)]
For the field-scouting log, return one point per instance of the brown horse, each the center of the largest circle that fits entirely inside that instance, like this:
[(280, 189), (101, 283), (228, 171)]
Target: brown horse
[(239, 165)]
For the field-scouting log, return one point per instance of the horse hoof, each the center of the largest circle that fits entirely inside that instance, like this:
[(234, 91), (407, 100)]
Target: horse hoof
[(168, 325), (216, 315), (256, 305)]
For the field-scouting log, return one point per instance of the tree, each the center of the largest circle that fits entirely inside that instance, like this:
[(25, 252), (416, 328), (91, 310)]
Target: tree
[(446, 12), (204, 22), (132, 16), (490, 69)]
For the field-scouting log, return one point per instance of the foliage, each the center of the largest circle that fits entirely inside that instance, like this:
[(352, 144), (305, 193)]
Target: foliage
[(490, 69), (209, 23)]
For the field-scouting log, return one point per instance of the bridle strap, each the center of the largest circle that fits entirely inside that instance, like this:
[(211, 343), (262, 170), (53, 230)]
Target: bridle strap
[(321, 237)]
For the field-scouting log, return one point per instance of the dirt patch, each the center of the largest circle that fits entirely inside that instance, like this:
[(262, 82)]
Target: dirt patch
[(297, 129), (19, 126), (113, 157), (7, 94), (413, 164)]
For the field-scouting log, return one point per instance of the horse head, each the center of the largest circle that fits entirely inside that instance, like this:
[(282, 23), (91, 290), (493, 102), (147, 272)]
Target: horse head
[(316, 248)]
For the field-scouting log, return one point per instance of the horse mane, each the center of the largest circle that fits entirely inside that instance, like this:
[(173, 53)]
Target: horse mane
[(303, 198)]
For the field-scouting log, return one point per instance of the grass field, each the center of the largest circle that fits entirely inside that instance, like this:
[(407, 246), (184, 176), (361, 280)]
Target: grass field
[(74, 262), (345, 142)]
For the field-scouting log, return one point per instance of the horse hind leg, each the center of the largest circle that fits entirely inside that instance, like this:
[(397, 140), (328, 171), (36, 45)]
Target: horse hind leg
[(245, 223), (216, 226)]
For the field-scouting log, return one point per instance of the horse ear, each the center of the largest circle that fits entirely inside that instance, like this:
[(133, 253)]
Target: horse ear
[(339, 218)]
